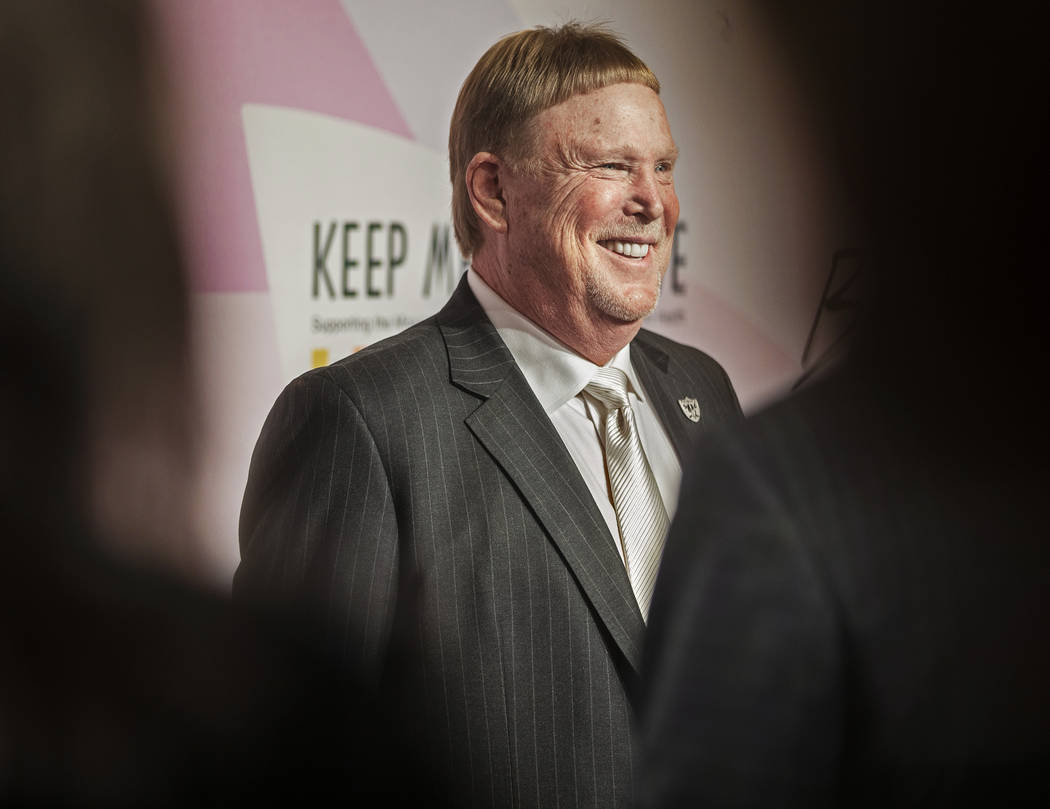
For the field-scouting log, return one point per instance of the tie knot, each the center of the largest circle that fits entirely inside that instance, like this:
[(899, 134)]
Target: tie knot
[(609, 386)]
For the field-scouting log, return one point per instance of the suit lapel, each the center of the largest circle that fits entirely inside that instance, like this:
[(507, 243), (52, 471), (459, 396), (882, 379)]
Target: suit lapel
[(665, 388), (518, 434)]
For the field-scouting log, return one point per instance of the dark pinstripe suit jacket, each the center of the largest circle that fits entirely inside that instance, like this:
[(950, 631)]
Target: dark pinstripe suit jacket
[(418, 484)]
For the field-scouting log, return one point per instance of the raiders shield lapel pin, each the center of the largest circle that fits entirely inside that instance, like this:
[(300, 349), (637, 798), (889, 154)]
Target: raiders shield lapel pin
[(691, 408)]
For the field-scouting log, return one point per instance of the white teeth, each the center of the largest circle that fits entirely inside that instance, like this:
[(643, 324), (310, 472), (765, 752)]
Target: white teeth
[(631, 249)]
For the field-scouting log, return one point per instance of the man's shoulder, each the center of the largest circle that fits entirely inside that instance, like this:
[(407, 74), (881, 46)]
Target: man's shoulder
[(422, 338), (409, 358), (660, 348), (689, 369)]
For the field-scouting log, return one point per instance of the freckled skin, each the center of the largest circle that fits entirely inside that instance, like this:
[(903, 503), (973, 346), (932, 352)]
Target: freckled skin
[(600, 169)]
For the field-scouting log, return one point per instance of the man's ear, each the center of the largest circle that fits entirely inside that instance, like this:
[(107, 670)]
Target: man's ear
[(485, 176)]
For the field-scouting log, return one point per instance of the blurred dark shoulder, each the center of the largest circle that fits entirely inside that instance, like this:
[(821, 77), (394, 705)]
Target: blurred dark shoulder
[(122, 686)]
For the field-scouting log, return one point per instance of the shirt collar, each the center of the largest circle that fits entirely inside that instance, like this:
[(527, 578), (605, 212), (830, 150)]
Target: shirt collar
[(554, 371)]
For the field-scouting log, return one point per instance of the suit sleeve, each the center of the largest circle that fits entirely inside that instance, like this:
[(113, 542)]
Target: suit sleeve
[(742, 666), (318, 531)]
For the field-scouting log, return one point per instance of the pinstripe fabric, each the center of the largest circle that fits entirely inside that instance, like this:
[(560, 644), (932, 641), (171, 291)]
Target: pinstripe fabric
[(416, 497), (640, 512)]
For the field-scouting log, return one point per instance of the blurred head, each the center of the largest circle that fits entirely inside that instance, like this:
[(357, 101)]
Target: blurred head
[(91, 275), (942, 124)]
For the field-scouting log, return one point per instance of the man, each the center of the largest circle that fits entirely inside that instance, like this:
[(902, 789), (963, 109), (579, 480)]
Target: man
[(441, 497), (855, 602)]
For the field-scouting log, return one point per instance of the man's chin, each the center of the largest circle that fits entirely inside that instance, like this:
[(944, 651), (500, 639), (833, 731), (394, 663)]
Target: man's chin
[(622, 297), (625, 308)]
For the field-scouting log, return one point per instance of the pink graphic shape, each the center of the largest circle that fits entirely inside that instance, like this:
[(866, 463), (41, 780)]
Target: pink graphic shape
[(222, 55)]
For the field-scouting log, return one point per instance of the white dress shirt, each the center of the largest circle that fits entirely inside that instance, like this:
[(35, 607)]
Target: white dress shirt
[(558, 375)]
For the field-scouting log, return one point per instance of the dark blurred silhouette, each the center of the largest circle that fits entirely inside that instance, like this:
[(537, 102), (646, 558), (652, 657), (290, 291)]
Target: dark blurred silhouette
[(90, 252), (119, 686), (854, 603)]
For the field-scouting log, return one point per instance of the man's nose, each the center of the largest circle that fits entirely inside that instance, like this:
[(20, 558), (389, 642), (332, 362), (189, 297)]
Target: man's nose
[(646, 196)]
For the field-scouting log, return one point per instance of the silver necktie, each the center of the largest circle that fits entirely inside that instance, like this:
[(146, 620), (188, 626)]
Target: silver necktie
[(640, 510)]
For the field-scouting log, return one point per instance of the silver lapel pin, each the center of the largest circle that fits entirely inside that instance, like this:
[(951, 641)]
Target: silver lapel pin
[(691, 408)]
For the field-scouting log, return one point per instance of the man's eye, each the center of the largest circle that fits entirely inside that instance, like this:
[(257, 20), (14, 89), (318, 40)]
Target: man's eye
[(663, 167), (612, 166)]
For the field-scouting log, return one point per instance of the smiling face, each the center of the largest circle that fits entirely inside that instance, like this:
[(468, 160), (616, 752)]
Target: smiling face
[(591, 212)]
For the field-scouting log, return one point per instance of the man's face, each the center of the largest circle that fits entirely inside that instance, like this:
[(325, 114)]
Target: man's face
[(592, 211)]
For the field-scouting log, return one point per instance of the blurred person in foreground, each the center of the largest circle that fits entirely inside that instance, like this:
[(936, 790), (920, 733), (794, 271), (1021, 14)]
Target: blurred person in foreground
[(854, 607), (460, 467), (120, 686)]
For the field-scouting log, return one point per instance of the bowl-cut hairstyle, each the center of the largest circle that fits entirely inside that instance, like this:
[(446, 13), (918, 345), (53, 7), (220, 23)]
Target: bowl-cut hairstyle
[(521, 75)]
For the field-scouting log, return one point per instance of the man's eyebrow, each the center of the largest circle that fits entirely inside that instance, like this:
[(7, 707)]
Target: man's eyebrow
[(591, 151)]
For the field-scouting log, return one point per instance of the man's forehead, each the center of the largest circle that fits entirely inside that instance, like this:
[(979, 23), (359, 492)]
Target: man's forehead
[(623, 118), (600, 144)]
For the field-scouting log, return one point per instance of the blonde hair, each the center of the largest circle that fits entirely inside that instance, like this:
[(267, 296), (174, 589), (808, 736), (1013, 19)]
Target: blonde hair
[(521, 75)]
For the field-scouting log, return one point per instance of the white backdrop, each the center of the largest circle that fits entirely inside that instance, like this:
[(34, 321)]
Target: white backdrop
[(315, 200)]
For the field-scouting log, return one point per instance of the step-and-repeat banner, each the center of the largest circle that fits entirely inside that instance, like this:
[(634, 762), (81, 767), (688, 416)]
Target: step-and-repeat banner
[(314, 192)]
